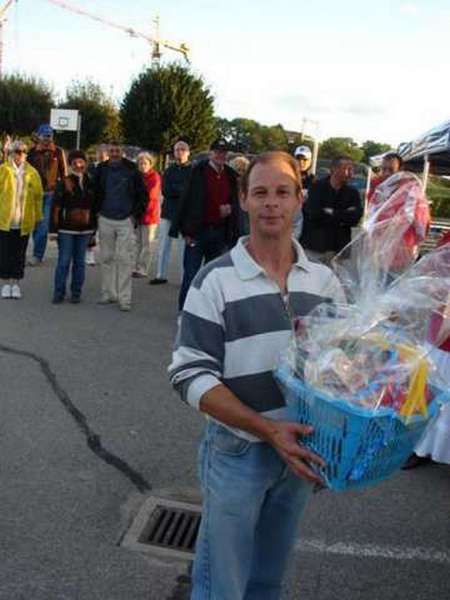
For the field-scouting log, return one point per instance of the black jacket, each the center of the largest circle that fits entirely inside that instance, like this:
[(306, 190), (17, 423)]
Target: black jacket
[(174, 182), (137, 189), (190, 217), (73, 205), (322, 231)]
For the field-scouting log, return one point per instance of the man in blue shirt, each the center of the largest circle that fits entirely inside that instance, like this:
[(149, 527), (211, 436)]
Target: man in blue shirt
[(121, 199)]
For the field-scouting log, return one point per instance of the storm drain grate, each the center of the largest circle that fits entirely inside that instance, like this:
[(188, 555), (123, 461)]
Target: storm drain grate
[(165, 527), (174, 528)]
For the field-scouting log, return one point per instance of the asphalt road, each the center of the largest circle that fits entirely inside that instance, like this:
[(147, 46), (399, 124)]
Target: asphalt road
[(90, 428)]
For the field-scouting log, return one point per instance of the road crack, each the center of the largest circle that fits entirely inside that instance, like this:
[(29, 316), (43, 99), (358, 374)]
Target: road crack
[(93, 439)]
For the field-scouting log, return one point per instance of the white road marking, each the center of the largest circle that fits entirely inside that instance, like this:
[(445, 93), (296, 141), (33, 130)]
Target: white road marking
[(373, 551)]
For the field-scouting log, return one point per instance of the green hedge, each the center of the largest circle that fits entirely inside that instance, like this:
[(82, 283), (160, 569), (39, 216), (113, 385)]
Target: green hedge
[(438, 192)]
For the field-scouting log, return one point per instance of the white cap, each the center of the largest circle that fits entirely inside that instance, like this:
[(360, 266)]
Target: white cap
[(303, 151)]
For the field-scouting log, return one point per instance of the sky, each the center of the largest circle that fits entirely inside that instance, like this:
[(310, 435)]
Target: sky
[(367, 70)]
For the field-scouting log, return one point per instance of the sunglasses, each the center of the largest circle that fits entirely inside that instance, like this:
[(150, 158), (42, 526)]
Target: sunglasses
[(20, 151)]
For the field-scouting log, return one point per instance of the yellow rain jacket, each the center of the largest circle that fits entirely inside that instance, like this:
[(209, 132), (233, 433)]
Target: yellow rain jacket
[(32, 198)]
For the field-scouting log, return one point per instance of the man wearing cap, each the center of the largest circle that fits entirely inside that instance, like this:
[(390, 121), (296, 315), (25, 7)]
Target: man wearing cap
[(208, 213), (49, 161), (304, 158), (303, 155)]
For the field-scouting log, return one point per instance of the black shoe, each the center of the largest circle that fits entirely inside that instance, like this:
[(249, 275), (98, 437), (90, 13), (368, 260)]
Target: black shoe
[(157, 281), (415, 461), (58, 299), (75, 300)]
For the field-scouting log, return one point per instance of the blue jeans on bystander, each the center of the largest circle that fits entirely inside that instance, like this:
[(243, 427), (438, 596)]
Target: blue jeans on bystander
[(41, 232), (252, 506), (208, 245), (71, 251)]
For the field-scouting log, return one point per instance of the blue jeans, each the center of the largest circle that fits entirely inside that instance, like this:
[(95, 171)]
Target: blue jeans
[(208, 245), (252, 506), (41, 231), (71, 250), (165, 246)]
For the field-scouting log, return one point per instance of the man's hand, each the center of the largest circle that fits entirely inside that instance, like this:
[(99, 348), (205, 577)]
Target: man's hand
[(328, 211), (53, 237), (225, 210), (190, 241), (284, 437)]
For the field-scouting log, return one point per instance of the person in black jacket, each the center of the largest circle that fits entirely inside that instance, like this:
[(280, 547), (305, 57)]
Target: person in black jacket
[(121, 200), (208, 214), (332, 208), (174, 182), (73, 222)]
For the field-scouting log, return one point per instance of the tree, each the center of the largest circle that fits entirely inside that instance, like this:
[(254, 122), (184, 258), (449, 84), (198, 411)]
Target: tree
[(371, 148), (25, 103), (337, 146), (167, 103), (246, 135), (100, 118)]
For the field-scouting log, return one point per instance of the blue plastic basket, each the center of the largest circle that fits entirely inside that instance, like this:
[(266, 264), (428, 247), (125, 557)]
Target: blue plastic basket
[(359, 448)]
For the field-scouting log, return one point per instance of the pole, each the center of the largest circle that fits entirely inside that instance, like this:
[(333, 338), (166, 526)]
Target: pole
[(1, 48), (426, 172), (78, 131)]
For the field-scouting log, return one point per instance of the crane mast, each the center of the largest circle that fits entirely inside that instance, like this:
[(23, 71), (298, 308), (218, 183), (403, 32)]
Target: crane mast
[(3, 19)]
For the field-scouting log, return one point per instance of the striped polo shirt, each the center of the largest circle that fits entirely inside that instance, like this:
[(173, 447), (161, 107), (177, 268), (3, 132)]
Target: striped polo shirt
[(235, 324)]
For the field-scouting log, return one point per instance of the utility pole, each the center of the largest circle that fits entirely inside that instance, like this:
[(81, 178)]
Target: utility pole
[(3, 20)]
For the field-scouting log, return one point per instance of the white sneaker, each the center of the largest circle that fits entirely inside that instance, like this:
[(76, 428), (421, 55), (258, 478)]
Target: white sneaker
[(16, 292), (33, 261), (90, 257), (6, 291)]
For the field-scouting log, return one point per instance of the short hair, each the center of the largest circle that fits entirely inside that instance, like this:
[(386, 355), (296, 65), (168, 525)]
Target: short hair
[(16, 145), (268, 157), (181, 142), (338, 159), (394, 156), (146, 156), (114, 143)]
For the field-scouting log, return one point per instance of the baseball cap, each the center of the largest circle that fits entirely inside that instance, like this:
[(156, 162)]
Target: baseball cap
[(303, 151), (219, 144), (45, 131)]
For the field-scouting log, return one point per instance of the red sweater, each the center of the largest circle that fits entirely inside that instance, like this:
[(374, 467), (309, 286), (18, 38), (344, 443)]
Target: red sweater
[(217, 193), (152, 181)]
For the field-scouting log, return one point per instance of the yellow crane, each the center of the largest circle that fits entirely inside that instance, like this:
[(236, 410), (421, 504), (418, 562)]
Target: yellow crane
[(3, 19), (155, 40)]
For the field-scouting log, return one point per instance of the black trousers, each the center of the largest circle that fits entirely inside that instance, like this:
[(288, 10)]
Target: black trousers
[(13, 248)]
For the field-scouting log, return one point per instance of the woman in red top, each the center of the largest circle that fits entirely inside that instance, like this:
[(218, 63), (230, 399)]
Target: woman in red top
[(146, 230)]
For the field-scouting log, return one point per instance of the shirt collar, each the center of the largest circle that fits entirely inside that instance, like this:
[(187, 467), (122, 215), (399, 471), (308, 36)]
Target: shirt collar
[(18, 169), (248, 268), (216, 169)]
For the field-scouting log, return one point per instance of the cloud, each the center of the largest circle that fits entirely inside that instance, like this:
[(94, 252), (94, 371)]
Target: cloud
[(318, 106), (409, 9)]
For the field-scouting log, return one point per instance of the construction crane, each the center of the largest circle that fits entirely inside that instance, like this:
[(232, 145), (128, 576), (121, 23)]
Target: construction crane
[(155, 41), (3, 19)]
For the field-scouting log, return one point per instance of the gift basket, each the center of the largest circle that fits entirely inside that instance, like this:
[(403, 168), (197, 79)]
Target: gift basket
[(360, 374)]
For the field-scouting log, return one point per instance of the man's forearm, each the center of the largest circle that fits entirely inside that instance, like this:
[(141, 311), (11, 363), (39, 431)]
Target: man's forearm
[(223, 405)]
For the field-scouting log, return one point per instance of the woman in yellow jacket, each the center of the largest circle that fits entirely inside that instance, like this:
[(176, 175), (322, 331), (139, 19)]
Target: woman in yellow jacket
[(21, 196)]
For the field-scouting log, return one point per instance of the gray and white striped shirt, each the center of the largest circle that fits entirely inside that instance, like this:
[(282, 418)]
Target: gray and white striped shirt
[(236, 323)]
